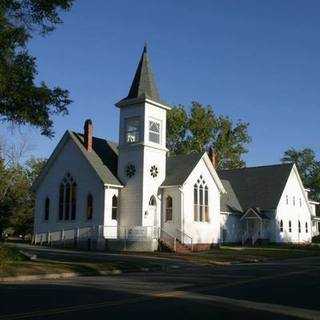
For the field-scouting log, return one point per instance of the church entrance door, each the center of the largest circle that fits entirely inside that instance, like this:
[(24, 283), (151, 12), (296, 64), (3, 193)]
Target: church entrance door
[(152, 212)]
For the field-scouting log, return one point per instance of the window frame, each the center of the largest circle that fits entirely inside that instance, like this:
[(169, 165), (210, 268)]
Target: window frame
[(136, 132), (73, 201), (290, 226), (206, 204), (169, 207), (47, 209), (67, 198), (195, 203), (153, 132), (114, 207), (299, 226), (67, 201), (281, 225), (201, 201), (89, 207), (61, 201)]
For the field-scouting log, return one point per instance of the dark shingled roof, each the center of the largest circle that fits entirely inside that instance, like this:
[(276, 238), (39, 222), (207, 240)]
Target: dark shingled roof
[(103, 158), (259, 187), (143, 85), (229, 201), (179, 168)]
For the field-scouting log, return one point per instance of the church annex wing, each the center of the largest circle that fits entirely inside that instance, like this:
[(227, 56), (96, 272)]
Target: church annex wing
[(255, 187)]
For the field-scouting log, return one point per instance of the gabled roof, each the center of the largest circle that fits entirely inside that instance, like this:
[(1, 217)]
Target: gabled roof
[(255, 213), (229, 201), (143, 84), (259, 187), (103, 158), (179, 167)]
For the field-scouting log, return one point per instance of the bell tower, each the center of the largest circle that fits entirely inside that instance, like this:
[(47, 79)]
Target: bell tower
[(142, 149)]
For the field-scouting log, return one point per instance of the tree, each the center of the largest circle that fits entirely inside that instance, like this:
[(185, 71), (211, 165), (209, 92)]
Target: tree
[(308, 167), (229, 141), (177, 119), (17, 206), (200, 129), (16, 179), (22, 101)]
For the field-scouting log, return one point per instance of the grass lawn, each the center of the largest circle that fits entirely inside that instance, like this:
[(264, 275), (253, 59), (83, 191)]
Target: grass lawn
[(234, 254), (254, 254), (13, 263)]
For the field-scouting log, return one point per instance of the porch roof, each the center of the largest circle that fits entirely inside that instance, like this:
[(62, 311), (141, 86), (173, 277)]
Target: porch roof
[(255, 212)]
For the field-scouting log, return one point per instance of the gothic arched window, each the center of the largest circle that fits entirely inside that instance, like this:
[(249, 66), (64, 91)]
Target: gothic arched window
[(67, 198), (61, 201), (67, 202), (114, 207), (152, 201), (89, 206), (299, 226), (169, 208), (201, 201), (47, 209), (73, 200)]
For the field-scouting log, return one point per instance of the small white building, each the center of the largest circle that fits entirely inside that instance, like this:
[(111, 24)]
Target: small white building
[(132, 196), (266, 204)]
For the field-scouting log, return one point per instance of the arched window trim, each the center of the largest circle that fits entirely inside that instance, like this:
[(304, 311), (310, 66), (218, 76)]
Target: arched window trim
[(47, 209), (168, 208), (114, 210), (201, 200), (152, 201), (89, 206), (67, 198)]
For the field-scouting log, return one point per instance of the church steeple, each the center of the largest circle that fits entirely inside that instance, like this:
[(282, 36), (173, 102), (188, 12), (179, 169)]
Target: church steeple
[(142, 148), (143, 84)]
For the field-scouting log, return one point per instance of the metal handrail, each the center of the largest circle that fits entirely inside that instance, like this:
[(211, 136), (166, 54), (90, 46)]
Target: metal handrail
[(184, 235), (164, 235)]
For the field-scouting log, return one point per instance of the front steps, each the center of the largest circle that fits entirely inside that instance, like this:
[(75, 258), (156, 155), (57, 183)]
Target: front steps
[(178, 247)]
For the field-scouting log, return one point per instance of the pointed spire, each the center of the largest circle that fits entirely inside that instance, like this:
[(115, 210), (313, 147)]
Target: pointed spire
[(143, 84)]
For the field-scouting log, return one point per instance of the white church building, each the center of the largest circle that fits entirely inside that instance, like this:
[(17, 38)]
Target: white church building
[(133, 196)]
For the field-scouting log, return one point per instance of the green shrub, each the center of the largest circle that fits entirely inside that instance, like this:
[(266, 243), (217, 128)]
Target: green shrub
[(316, 239), (9, 255)]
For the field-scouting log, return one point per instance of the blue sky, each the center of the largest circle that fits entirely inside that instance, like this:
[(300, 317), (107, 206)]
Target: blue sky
[(252, 60)]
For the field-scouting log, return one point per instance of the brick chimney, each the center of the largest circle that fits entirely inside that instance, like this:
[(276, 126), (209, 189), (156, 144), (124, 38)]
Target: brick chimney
[(213, 157), (88, 129)]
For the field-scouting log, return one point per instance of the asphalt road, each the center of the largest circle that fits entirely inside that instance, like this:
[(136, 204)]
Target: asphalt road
[(284, 290)]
